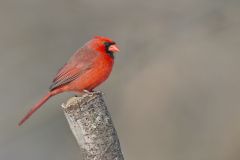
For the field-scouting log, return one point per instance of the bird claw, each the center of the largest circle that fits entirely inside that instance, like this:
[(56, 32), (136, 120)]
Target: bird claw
[(91, 93), (97, 92), (86, 91)]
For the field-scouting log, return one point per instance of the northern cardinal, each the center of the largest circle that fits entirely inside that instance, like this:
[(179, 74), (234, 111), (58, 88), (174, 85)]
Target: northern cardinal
[(86, 69)]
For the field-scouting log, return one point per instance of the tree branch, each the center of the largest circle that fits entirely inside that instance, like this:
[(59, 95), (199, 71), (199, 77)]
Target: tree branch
[(92, 127)]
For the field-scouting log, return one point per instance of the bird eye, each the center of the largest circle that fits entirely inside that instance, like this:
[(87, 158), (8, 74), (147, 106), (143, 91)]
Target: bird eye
[(107, 44)]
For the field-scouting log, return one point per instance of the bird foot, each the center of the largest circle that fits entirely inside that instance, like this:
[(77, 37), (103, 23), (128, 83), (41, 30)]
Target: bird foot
[(92, 92), (88, 92)]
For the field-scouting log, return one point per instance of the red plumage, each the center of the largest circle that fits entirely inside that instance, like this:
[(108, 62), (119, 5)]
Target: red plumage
[(86, 69)]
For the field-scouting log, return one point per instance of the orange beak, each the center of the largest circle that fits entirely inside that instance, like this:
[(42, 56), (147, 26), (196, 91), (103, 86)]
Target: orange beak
[(113, 48)]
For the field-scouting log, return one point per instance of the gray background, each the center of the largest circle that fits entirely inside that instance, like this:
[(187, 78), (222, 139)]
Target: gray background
[(174, 93)]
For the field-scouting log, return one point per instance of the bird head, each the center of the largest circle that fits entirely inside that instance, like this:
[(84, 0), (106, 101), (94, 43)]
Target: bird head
[(104, 45)]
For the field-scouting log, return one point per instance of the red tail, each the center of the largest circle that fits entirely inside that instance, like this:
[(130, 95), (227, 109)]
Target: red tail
[(35, 108)]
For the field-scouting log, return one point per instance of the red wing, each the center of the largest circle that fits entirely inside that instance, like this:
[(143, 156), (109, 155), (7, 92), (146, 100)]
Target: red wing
[(78, 64), (65, 78)]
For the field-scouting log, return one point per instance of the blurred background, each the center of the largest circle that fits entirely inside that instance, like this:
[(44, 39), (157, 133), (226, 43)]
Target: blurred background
[(174, 93)]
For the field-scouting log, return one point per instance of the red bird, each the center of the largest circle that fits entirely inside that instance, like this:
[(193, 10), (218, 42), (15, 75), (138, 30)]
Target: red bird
[(86, 69)]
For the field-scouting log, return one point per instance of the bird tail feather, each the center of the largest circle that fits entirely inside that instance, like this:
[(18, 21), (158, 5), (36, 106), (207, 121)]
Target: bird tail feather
[(35, 108)]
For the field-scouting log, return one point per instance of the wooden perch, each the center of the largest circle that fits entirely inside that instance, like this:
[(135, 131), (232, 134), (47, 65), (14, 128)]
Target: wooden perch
[(92, 127)]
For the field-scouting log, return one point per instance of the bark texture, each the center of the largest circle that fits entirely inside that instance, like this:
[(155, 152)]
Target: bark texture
[(92, 127)]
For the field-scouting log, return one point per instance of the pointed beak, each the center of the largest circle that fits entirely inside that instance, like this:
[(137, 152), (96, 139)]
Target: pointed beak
[(113, 48)]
